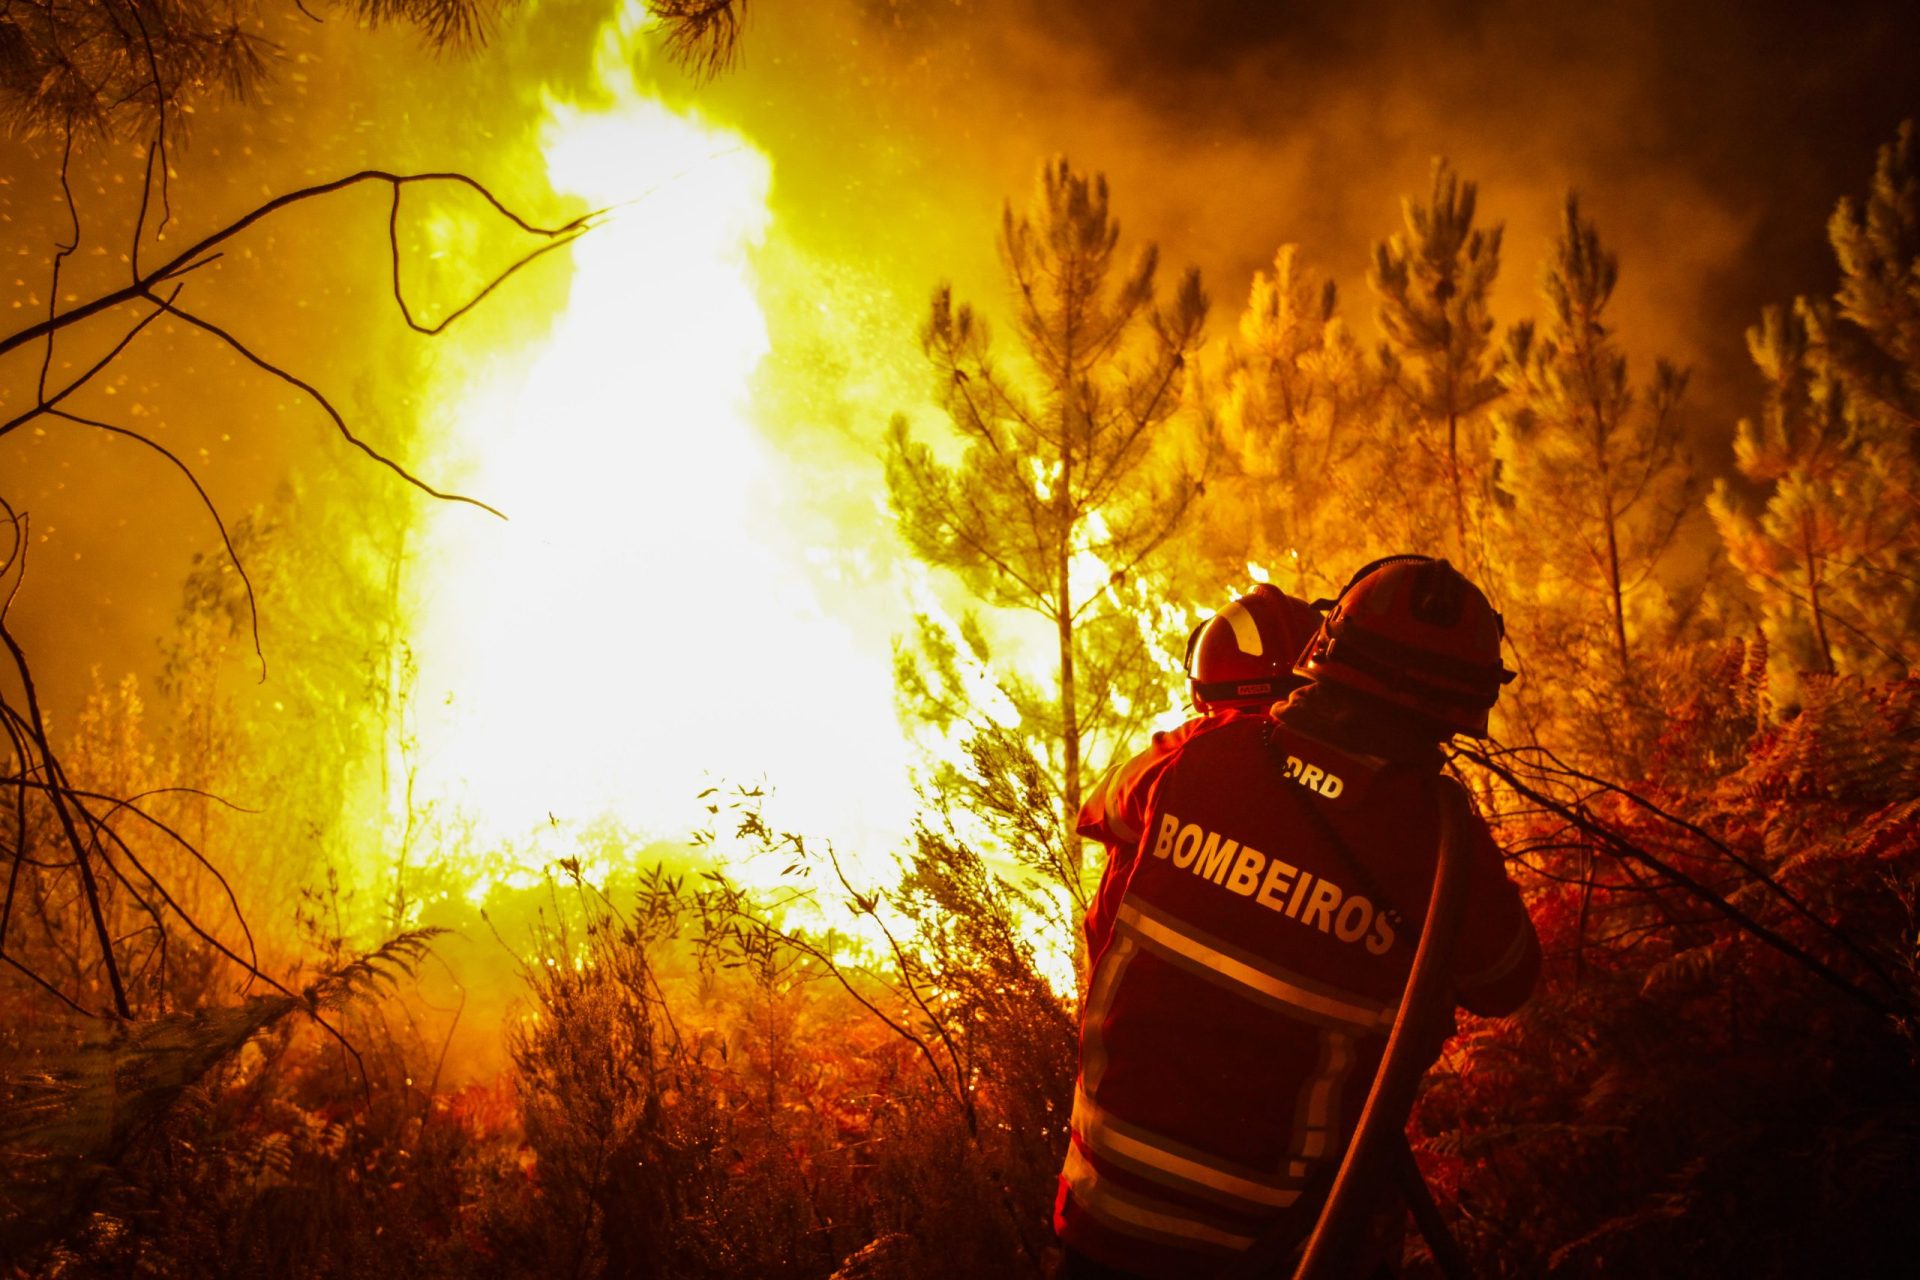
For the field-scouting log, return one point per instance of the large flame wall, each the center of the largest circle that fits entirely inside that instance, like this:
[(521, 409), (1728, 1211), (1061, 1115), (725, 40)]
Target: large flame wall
[(642, 626)]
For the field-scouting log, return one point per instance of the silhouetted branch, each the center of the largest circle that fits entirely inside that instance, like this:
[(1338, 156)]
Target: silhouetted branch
[(1578, 815), (60, 254), (206, 501), (89, 833), (100, 825), (326, 405), (144, 285), (158, 147), (434, 330), (1759, 874), (702, 35)]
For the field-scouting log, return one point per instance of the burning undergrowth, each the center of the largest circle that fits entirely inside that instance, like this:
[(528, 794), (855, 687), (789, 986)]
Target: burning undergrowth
[(405, 962)]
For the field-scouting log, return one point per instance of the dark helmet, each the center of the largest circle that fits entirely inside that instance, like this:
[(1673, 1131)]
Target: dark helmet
[(1412, 631), (1244, 655)]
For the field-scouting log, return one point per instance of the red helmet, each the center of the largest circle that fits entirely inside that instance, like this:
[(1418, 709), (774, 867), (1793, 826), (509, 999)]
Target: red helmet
[(1412, 631), (1245, 654)]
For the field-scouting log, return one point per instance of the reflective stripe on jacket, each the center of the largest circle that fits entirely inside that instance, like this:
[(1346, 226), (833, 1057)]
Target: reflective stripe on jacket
[(1244, 977)]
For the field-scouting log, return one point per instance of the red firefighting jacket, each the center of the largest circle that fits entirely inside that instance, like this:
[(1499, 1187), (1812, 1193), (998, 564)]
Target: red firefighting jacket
[(1244, 978)]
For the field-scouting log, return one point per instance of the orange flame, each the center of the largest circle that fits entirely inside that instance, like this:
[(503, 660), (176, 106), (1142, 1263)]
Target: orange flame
[(638, 629)]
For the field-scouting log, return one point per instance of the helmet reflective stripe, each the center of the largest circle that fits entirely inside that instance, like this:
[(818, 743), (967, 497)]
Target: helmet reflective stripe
[(1246, 632), (1244, 655)]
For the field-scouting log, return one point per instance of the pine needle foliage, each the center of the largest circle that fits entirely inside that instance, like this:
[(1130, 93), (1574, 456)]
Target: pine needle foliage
[(1597, 488), (1433, 281), (702, 35), (1685, 1098), (118, 70), (1059, 472), (111, 70), (1295, 423), (1833, 554)]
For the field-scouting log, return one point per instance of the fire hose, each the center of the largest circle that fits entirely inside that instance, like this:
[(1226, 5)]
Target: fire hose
[(1378, 1151)]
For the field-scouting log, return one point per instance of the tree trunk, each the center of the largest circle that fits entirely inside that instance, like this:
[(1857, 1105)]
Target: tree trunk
[(1813, 596), (1069, 723), (1602, 432), (1613, 569), (1459, 497), (1619, 604)]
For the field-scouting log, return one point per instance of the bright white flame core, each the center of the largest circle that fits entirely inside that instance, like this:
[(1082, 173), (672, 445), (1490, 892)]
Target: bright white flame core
[(641, 627)]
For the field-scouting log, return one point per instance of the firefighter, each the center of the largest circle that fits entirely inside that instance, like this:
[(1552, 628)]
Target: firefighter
[(1267, 885), (1239, 662)]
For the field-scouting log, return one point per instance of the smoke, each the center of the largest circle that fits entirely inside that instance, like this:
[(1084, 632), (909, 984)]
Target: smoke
[(1710, 141)]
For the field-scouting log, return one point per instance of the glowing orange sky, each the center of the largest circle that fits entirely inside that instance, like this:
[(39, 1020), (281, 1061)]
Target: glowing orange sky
[(1709, 144)]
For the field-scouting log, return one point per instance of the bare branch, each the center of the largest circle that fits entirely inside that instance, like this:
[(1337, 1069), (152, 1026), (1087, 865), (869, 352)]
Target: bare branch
[(433, 330), (326, 405), (144, 285), (206, 501)]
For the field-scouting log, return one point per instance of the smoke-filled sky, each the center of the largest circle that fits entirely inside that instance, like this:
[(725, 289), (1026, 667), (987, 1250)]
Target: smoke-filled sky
[(1710, 140)]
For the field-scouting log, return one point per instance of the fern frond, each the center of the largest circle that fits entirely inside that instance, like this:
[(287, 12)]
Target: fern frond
[(1686, 971), (398, 957)]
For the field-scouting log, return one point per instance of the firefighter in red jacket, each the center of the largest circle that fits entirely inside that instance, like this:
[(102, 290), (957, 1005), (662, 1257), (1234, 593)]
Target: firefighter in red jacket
[(1239, 662), (1267, 882)]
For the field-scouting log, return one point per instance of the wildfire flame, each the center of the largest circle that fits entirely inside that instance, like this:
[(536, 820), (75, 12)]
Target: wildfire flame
[(646, 626), (641, 627)]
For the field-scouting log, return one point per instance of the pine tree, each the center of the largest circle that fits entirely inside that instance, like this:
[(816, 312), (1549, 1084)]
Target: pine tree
[(1598, 482), (1878, 248), (1057, 495), (101, 69), (1833, 555), (1433, 280), (1291, 423)]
